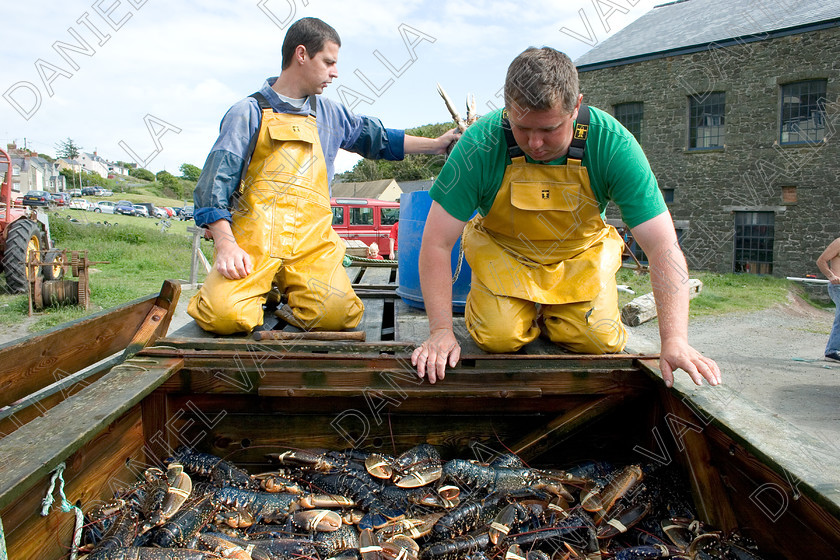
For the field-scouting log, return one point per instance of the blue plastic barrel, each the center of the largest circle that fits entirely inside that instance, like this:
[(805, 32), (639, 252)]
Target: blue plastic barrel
[(414, 209)]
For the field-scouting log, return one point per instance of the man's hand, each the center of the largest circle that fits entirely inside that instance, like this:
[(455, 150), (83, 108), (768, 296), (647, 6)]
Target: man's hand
[(432, 356), (439, 145), (678, 354), (447, 140), (232, 261)]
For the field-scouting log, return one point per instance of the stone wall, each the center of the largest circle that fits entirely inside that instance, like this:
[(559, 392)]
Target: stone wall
[(750, 171)]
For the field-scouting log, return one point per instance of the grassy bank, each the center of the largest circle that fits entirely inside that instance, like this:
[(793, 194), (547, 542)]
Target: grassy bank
[(721, 293)]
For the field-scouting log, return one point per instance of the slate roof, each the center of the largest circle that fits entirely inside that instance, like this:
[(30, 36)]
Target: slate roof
[(412, 186), (367, 189), (692, 25)]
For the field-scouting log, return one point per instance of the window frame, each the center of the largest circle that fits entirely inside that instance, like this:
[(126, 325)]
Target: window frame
[(697, 109), (628, 118), (816, 106)]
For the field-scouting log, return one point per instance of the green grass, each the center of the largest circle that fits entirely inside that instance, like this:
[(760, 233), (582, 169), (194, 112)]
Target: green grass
[(139, 258), (721, 293)]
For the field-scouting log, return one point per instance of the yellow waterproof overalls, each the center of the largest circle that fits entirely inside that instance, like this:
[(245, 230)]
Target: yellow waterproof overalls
[(544, 241), (283, 220)]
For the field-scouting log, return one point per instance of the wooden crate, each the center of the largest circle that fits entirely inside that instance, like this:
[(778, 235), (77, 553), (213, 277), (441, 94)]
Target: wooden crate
[(239, 399)]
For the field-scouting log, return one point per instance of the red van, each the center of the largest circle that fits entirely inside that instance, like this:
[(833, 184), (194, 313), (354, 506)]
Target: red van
[(365, 219)]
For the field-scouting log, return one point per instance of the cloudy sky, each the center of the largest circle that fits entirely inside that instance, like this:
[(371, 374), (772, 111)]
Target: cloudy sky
[(148, 81)]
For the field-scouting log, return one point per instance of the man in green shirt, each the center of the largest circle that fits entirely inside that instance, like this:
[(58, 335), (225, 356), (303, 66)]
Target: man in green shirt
[(540, 175)]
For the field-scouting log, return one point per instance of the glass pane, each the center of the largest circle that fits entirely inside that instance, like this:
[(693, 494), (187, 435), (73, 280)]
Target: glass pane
[(389, 216), (338, 216), (754, 237), (630, 115), (361, 216), (706, 120), (803, 112)]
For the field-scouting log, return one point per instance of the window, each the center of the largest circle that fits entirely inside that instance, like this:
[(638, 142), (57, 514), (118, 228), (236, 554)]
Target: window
[(361, 216), (389, 216), (705, 125), (754, 233), (668, 194), (338, 216), (630, 115), (803, 112)]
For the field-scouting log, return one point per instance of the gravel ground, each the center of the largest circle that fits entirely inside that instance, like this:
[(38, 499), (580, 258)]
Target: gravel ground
[(774, 358)]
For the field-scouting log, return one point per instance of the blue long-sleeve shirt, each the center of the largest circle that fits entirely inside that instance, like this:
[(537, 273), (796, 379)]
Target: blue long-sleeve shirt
[(337, 128)]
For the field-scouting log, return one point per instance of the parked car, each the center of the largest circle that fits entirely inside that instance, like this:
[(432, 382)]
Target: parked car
[(187, 212), (79, 204), (106, 192), (170, 213), (125, 208), (366, 219), (89, 191), (37, 198), (103, 207), (152, 210), (75, 192), (140, 210), (61, 198)]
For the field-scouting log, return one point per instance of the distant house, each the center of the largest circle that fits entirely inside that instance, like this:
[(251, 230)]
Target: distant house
[(31, 172), (385, 189), (735, 105), (93, 163), (412, 186)]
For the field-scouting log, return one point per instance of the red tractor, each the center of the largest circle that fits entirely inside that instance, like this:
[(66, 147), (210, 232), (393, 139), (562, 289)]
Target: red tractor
[(22, 231)]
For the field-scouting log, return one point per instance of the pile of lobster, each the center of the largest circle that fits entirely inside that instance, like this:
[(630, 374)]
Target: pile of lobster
[(351, 505)]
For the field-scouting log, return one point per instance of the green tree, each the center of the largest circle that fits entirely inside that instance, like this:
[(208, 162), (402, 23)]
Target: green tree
[(68, 149), (190, 172), (141, 173), (414, 167)]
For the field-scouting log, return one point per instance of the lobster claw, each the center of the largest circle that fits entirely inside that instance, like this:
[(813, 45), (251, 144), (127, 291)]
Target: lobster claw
[(379, 466), (418, 466)]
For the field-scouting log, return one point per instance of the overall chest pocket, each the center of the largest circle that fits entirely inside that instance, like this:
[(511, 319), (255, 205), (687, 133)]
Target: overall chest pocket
[(292, 157)]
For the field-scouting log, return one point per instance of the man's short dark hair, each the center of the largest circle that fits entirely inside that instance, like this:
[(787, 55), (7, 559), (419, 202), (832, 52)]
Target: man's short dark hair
[(310, 32), (540, 79)]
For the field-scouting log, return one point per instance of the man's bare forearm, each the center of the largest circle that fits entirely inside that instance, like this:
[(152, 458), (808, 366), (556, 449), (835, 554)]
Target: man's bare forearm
[(436, 283), (669, 279)]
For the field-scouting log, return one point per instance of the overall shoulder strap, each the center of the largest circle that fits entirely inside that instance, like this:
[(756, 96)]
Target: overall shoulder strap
[(514, 151), (252, 143), (578, 145)]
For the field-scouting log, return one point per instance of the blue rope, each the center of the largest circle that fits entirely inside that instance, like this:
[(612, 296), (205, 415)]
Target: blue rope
[(3, 555), (65, 506)]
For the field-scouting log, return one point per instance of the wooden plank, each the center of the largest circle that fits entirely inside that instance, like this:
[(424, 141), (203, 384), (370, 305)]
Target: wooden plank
[(761, 498), (32, 363), (157, 320), (791, 453), (28, 454), (107, 462), (374, 308), (710, 495), (562, 427), (187, 346)]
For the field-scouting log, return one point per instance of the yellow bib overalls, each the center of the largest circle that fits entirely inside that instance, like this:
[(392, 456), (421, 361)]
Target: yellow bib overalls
[(544, 241), (283, 221)]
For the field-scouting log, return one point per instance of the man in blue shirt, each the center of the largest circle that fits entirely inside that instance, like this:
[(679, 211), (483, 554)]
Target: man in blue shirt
[(264, 193)]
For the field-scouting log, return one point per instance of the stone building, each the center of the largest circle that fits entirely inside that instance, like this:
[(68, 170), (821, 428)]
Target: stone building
[(735, 103)]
